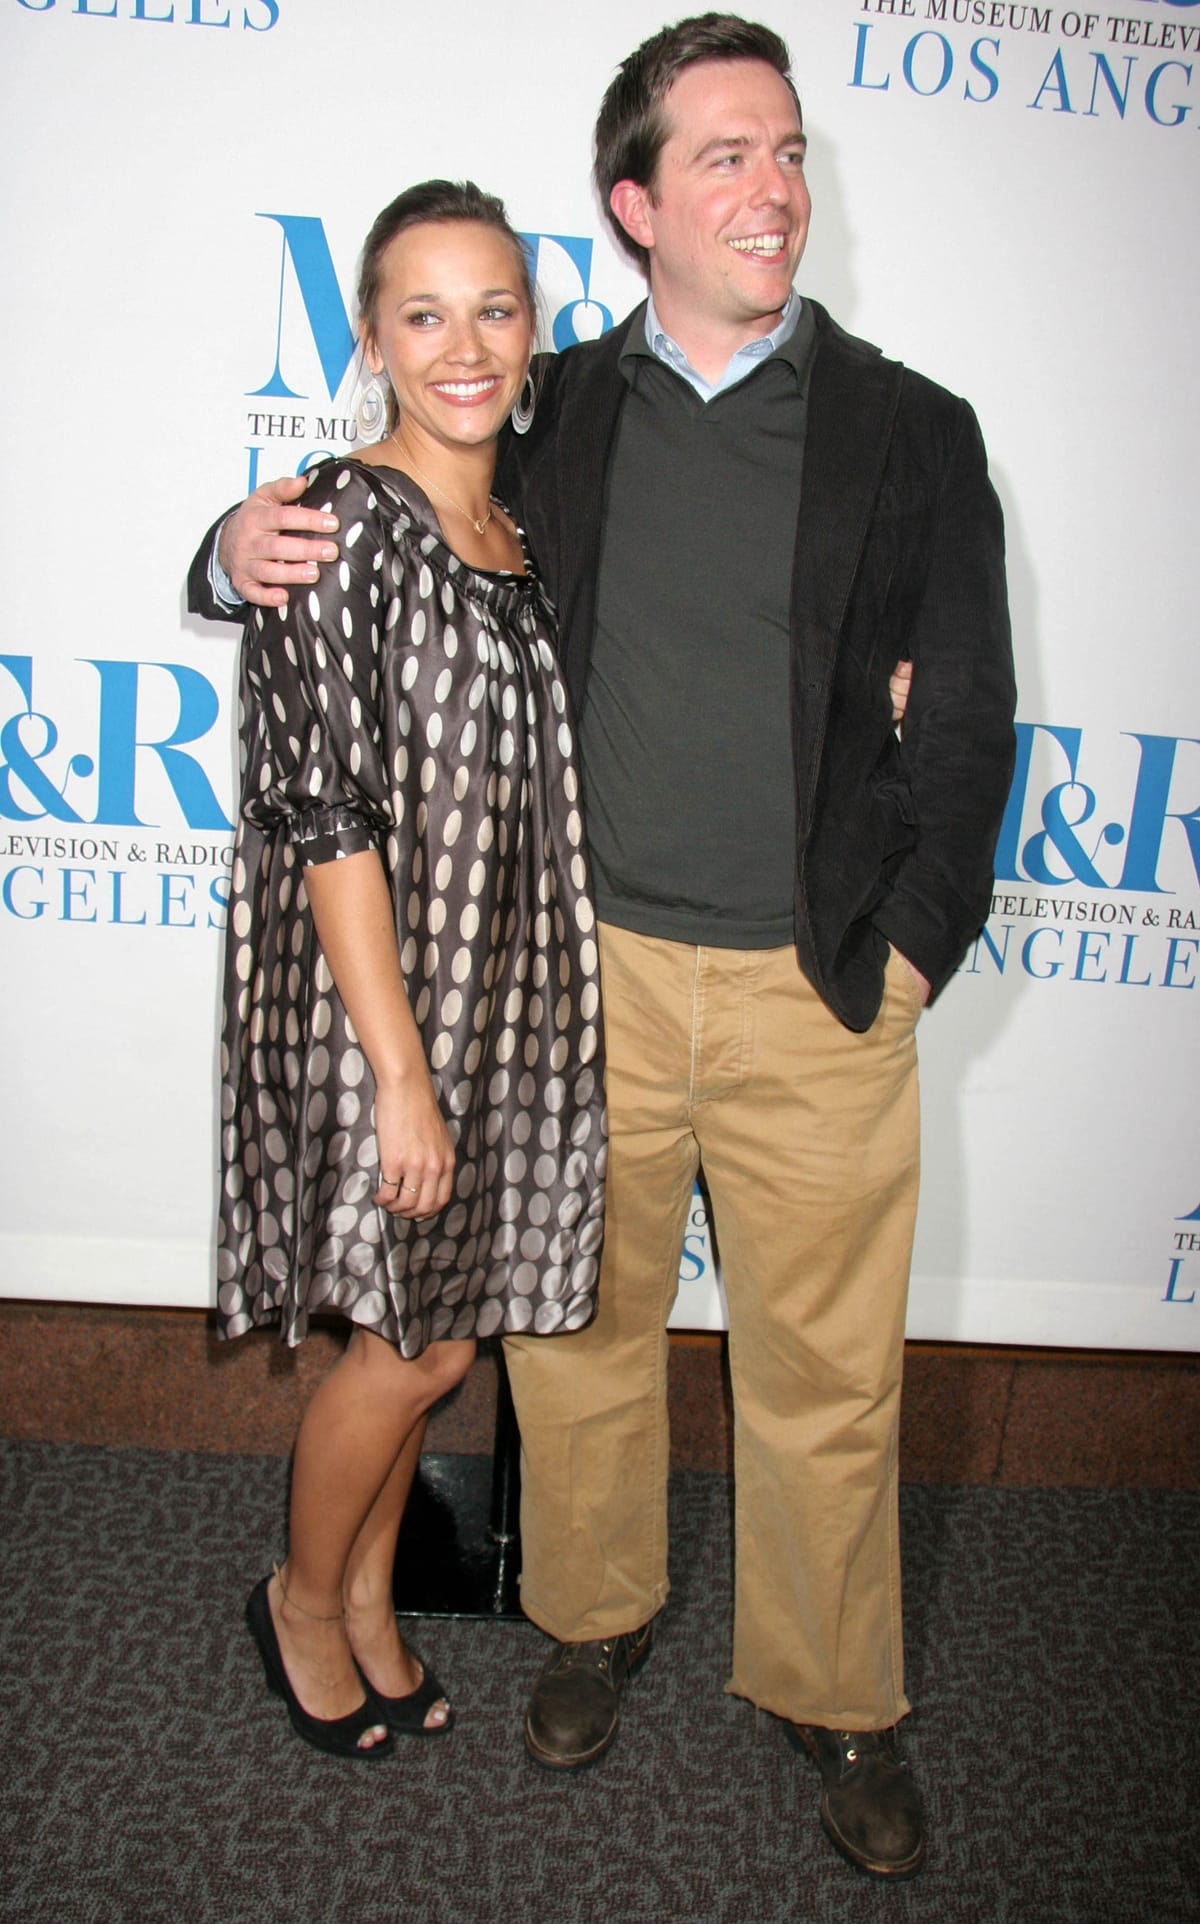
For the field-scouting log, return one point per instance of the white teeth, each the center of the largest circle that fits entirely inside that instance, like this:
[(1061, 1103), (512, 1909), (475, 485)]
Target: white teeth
[(760, 244), (464, 387)]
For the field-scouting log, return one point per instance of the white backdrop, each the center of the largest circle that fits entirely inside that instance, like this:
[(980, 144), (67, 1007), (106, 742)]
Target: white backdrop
[(1004, 197)]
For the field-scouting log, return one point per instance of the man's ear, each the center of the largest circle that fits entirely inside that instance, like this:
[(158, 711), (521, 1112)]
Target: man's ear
[(631, 205)]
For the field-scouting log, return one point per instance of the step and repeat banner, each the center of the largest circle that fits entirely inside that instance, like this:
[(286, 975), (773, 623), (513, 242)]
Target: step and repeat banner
[(1004, 198)]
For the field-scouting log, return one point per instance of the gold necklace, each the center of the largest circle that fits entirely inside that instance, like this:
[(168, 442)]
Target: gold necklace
[(479, 526)]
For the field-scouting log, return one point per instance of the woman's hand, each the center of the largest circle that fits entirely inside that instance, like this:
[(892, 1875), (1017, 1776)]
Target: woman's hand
[(899, 684), (416, 1156)]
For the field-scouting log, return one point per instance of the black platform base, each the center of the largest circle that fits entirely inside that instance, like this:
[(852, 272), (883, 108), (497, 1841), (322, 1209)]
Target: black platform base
[(450, 1562)]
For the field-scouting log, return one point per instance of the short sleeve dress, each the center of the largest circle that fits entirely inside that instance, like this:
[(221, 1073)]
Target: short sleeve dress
[(413, 705)]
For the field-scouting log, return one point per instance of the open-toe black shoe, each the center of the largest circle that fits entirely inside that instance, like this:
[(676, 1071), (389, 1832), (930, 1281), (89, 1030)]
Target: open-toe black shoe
[(406, 1715), (338, 1736)]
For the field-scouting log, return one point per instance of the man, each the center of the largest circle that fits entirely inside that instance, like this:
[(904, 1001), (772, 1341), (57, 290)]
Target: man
[(745, 518)]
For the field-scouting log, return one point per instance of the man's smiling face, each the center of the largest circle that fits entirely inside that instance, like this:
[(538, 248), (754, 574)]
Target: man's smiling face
[(726, 218)]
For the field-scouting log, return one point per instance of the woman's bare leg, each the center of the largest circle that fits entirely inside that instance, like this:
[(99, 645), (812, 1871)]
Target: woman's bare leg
[(358, 1443), (370, 1612)]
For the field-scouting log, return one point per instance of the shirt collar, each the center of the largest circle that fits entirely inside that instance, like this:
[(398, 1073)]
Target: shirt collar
[(741, 363)]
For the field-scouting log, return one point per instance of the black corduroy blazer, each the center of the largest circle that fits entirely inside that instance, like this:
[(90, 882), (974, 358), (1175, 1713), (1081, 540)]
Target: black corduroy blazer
[(899, 554)]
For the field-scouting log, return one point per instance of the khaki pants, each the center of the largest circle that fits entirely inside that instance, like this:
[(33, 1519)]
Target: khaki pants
[(809, 1139)]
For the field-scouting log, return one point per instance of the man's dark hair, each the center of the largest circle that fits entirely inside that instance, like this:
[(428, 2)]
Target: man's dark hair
[(631, 127)]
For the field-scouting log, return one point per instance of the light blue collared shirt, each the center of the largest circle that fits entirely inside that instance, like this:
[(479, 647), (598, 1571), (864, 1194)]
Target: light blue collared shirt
[(742, 362)]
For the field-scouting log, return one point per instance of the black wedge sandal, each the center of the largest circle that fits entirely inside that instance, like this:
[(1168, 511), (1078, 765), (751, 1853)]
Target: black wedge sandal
[(406, 1715), (337, 1736)]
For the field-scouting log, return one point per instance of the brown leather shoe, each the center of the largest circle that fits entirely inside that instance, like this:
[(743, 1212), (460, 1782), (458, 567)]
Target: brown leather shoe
[(575, 1708), (870, 1806)]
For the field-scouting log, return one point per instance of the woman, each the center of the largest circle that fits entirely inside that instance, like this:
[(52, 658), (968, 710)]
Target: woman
[(413, 1126)]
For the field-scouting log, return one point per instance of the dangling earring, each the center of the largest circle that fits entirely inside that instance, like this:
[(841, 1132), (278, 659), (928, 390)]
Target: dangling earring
[(370, 409), (526, 401)]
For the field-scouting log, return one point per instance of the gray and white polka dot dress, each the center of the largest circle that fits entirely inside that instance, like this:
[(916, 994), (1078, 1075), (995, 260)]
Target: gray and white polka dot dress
[(410, 704)]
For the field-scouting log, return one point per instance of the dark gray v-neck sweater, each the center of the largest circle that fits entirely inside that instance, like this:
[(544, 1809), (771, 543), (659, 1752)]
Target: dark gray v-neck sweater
[(686, 743)]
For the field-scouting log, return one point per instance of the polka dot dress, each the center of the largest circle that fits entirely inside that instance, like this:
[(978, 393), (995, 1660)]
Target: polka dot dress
[(410, 704)]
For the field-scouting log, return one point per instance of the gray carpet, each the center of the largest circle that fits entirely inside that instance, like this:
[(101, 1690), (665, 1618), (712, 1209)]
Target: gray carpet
[(1054, 1651)]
